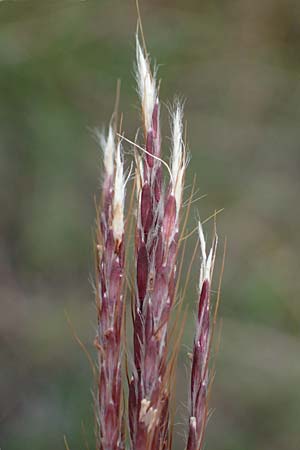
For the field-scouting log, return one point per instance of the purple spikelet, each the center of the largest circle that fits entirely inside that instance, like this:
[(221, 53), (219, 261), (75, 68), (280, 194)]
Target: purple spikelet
[(201, 349)]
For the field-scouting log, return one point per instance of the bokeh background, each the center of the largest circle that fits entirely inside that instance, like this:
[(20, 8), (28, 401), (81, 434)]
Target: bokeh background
[(237, 64)]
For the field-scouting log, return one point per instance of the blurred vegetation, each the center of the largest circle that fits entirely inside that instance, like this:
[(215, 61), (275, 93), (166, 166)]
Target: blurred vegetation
[(237, 64)]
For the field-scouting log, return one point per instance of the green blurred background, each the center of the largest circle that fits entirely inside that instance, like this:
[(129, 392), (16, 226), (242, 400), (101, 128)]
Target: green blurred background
[(237, 64)]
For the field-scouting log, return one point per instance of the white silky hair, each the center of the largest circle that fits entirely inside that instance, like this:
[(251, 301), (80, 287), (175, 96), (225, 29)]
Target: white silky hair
[(119, 196), (109, 148), (146, 85), (178, 154)]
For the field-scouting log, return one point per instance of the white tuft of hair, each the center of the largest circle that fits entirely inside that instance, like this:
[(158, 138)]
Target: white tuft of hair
[(146, 85), (178, 155), (119, 196), (109, 148)]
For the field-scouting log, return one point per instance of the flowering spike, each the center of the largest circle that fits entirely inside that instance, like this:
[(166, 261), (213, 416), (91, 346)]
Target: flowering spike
[(110, 269), (156, 245), (200, 360)]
